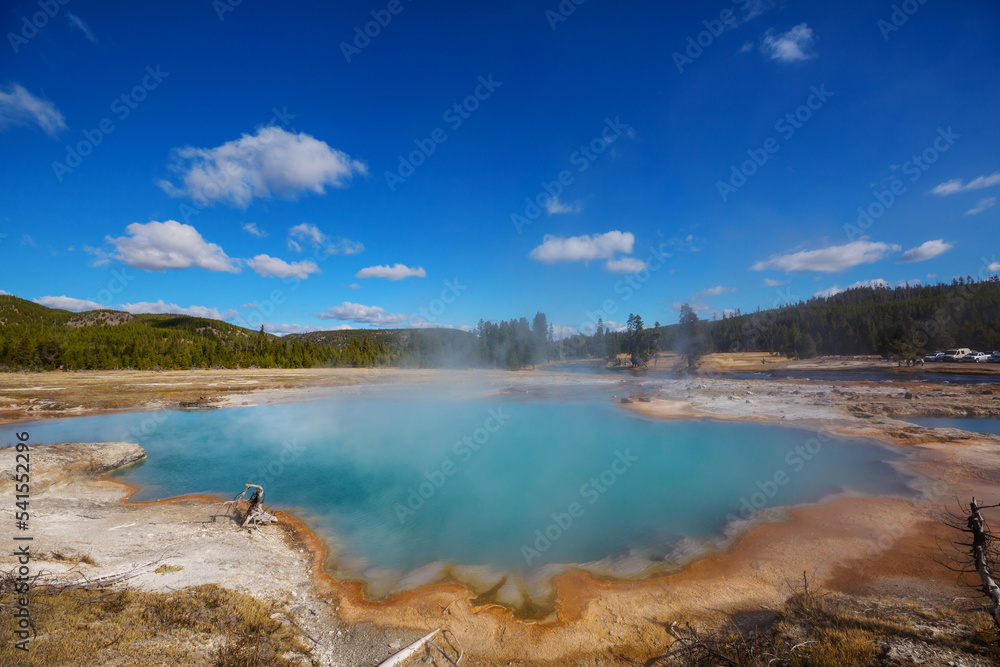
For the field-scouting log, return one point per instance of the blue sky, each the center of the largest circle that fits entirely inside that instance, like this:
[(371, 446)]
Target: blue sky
[(459, 162)]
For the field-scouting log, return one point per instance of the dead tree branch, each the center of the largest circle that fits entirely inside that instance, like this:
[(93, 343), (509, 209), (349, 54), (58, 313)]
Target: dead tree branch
[(983, 557), (54, 583), (255, 513)]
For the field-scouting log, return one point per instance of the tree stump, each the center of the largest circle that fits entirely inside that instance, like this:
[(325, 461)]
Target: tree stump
[(255, 513)]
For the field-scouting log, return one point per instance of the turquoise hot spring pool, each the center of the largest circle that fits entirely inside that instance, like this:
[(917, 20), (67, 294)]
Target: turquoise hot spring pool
[(408, 491)]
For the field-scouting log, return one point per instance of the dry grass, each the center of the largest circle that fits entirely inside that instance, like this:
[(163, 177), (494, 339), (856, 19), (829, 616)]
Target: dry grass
[(830, 630), (29, 396), (73, 559), (740, 362), (206, 625)]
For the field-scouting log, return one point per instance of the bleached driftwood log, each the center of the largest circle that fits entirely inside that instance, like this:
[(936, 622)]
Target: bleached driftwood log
[(403, 656), (255, 514), (983, 557)]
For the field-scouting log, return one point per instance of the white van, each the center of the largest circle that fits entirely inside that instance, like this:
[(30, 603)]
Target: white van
[(956, 354)]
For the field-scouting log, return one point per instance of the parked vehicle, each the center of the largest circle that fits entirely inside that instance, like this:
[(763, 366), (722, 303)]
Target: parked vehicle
[(994, 358), (937, 356), (975, 357), (956, 354)]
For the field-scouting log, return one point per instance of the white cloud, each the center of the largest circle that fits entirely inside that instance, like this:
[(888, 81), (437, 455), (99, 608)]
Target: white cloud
[(272, 267), (272, 162), (684, 244), (342, 246), (101, 256), (4, 292), (19, 107), (608, 246), (361, 314), (394, 272), (696, 305), (556, 207), (983, 181), (624, 265), (560, 332), (282, 329), (875, 282), (948, 187), (160, 308), (609, 325), (252, 228), (925, 251), (311, 235), (78, 23), (155, 307), (771, 282), (827, 293), (790, 46), (158, 246), (994, 267), (955, 185), (831, 259), (984, 203), (555, 249), (69, 303), (718, 290), (354, 286), (754, 8), (582, 248), (305, 232)]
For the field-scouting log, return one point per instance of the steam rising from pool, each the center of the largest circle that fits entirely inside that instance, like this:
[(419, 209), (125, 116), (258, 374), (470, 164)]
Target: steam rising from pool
[(500, 494)]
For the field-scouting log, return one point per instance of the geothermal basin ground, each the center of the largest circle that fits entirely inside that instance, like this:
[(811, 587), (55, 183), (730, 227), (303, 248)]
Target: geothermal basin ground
[(878, 539)]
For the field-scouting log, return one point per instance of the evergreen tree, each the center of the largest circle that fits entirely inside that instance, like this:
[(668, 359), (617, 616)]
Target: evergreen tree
[(690, 339)]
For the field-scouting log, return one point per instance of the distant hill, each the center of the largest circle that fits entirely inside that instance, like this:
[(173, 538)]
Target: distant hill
[(903, 321), (405, 336), (35, 337), (15, 311), (408, 348)]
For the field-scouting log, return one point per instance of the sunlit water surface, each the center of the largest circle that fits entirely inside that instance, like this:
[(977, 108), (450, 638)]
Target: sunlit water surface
[(408, 492)]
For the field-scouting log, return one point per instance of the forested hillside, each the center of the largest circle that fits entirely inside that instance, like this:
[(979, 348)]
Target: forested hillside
[(901, 321), (34, 337)]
